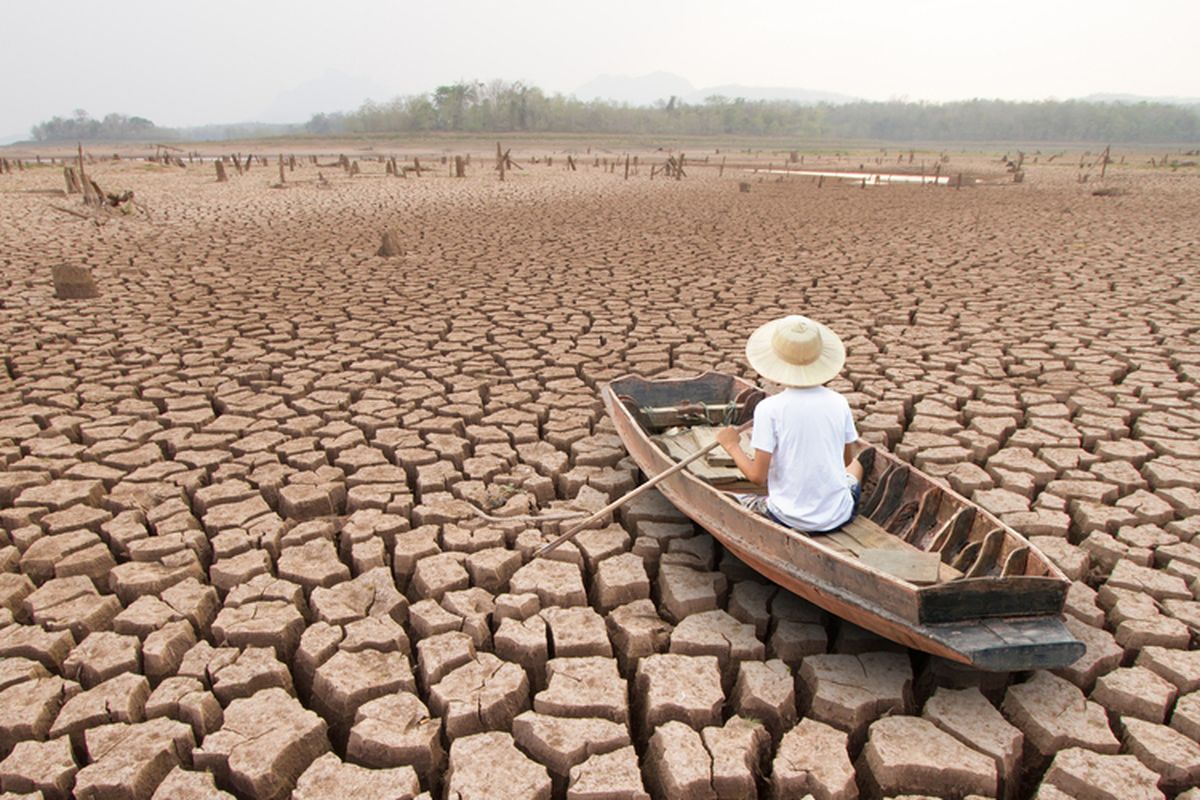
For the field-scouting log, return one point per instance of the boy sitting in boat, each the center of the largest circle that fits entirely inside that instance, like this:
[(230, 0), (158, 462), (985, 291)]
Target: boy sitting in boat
[(802, 435)]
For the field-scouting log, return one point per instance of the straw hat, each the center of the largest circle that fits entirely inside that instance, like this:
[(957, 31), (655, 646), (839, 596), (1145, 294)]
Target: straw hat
[(796, 351)]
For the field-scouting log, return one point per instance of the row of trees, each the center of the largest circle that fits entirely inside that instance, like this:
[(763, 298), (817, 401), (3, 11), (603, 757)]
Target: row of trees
[(501, 106), (80, 125)]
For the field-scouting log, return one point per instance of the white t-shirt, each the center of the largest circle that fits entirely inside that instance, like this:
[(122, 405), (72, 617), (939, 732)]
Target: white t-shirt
[(805, 431)]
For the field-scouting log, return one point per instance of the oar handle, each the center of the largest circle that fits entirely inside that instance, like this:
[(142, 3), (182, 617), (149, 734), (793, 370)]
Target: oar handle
[(620, 501)]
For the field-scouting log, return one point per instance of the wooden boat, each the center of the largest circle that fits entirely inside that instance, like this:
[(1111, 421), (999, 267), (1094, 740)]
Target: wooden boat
[(920, 564)]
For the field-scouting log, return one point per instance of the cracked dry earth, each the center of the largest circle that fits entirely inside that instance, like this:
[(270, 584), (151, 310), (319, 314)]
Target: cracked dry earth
[(238, 556)]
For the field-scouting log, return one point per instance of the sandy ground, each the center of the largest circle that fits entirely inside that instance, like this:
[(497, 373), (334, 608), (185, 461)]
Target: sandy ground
[(235, 547)]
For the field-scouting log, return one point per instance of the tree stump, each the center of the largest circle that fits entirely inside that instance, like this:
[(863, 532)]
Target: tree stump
[(73, 282), (221, 178), (72, 180), (390, 246)]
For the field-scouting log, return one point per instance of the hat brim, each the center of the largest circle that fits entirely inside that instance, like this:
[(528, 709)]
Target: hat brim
[(763, 358)]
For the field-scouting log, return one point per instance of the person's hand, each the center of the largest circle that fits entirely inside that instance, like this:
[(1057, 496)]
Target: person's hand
[(728, 437)]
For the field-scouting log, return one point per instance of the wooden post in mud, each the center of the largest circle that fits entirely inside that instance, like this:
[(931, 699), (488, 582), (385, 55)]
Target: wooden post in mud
[(679, 168), (221, 178), (721, 169), (460, 168), (282, 178), (627, 166), (570, 163), (72, 180), (1104, 161), (91, 197), (500, 161)]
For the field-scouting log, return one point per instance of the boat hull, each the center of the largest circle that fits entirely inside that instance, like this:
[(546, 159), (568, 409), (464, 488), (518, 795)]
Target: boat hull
[(839, 584)]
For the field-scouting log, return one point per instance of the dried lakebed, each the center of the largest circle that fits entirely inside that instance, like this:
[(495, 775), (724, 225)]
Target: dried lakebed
[(237, 556)]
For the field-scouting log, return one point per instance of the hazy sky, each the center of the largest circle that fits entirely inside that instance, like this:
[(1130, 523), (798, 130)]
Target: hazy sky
[(182, 63)]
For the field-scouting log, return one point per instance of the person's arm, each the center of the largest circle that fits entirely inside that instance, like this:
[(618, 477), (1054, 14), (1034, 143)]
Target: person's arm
[(755, 469), (847, 456)]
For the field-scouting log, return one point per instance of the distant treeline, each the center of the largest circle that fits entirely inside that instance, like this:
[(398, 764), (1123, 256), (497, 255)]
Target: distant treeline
[(502, 107), (81, 126)]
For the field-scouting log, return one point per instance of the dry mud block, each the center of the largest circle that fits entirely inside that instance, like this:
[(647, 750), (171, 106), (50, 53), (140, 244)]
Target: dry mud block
[(351, 678), (1087, 775), (185, 699), (181, 784), (103, 655), (31, 706), (716, 633), (619, 580), (119, 699), (127, 762), (1135, 692), (329, 776), (560, 743), (1103, 654), (488, 766), (812, 759), (739, 749), (577, 631), (685, 591), (482, 695), (720, 762), (556, 583), (73, 282), (1054, 715), (48, 767), (264, 745), (850, 692), (686, 689), (584, 687), (911, 755), (678, 765), (274, 624), (766, 691), (608, 776), (1180, 667), (396, 730), (1165, 750), (969, 717), (636, 630)]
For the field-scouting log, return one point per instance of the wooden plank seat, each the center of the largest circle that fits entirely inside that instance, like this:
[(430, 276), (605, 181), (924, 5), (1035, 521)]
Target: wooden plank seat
[(860, 536)]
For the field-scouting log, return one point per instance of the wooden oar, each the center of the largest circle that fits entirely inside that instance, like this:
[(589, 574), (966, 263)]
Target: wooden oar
[(620, 501)]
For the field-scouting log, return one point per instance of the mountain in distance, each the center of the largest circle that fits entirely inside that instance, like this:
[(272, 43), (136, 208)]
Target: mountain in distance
[(641, 90), (733, 91), (331, 91), (1138, 98), (644, 90)]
